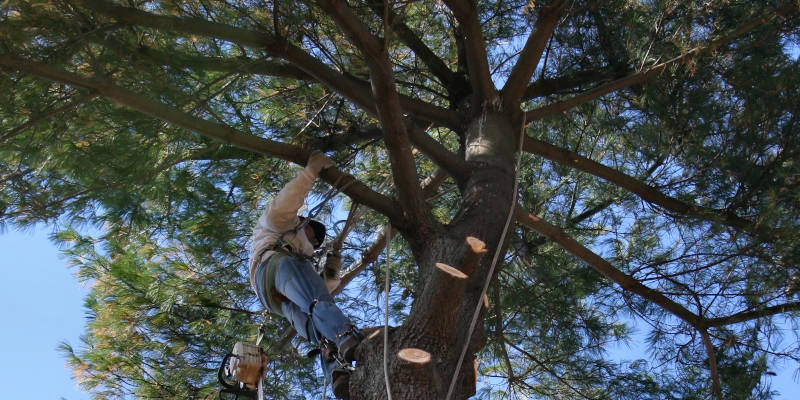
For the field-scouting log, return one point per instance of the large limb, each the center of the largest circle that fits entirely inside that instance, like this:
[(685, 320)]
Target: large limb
[(445, 159), (550, 86), (222, 133), (390, 113), (466, 13), (602, 266), (531, 54), (435, 64), (351, 88), (629, 283), (646, 192), (754, 314), (646, 74)]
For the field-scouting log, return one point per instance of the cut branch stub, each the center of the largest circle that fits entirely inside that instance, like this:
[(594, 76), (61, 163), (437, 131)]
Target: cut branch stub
[(476, 245), (414, 356), (452, 281), (451, 271), (417, 366), (476, 248)]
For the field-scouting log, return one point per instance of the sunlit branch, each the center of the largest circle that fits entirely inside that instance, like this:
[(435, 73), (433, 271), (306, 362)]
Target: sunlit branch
[(222, 133), (712, 364), (754, 314), (390, 113), (531, 54), (477, 61)]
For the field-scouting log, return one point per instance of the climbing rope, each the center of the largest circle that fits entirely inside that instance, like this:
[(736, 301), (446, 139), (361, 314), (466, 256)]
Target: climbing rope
[(494, 263), (386, 315)]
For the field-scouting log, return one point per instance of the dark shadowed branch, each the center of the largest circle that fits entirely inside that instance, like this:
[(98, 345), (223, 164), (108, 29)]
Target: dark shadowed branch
[(412, 40), (648, 73), (41, 117), (646, 192), (602, 266)]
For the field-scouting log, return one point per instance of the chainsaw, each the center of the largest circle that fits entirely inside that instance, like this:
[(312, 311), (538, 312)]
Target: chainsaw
[(242, 371)]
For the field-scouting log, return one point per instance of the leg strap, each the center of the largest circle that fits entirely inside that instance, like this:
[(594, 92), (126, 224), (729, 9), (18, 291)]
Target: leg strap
[(311, 308)]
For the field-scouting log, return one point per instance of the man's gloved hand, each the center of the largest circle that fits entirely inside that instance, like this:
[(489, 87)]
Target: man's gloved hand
[(333, 264), (318, 161)]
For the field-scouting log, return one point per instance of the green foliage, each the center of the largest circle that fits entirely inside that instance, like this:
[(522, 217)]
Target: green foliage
[(169, 287)]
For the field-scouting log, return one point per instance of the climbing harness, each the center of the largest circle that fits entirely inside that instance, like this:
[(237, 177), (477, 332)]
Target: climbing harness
[(494, 264)]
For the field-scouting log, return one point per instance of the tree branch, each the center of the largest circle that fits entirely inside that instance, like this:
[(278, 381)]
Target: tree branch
[(429, 186), (353, 89), (648, 193), (643, 76), (542, 366), (445, 159), (225, 134), (477, 61), (428, 57), (602, 266), (41, 117), (753, 314), (531, 54), (712, 364), (545, 87), (390, 113), (352, 136), (223, 64)]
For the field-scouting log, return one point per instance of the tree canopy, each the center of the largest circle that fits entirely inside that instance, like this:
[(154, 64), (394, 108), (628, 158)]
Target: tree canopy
[(658, 188)]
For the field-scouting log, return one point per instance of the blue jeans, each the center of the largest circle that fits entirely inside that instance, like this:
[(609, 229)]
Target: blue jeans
[(296, 280)]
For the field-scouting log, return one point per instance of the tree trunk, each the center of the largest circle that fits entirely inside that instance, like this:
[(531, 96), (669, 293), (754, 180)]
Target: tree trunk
[(452, 274)]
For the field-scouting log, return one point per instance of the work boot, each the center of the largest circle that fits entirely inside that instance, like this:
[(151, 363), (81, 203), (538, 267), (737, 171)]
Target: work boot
[(341, 383), (347, 346)]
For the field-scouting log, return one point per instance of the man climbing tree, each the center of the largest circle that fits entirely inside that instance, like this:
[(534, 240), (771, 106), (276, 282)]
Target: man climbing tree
[(559, 177), (285, 282)]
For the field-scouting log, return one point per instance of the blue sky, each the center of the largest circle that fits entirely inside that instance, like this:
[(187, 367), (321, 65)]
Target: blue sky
[(43, 306)]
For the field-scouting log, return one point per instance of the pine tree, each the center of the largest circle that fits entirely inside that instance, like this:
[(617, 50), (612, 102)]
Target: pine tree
[(657, 186)]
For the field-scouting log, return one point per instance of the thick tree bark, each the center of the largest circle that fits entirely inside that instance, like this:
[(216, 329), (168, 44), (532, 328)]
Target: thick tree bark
[(445, 300)]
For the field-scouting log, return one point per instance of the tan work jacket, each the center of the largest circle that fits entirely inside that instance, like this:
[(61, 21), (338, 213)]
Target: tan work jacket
[(280, 218)]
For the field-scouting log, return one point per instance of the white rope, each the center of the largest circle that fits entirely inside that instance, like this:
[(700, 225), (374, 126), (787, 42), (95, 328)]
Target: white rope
[(494, 263), (386, 315)]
